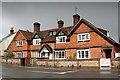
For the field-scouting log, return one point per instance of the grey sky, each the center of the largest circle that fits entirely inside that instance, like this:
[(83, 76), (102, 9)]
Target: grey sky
[(22, 15)]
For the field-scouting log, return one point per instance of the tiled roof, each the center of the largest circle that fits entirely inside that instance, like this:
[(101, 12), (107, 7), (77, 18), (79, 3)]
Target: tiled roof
[(27, 34), (68, 30)]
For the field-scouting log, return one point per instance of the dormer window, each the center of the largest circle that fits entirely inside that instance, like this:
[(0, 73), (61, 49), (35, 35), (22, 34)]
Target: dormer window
[(52, 33), (61, 39), (36, 41), (83, 37)]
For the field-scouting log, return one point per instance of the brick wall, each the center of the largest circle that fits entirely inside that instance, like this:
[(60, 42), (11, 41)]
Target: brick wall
[(11, 61), (69, 63)]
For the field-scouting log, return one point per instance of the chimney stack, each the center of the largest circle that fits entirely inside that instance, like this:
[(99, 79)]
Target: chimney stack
[(36, 27), (11, 30), (60, 23), (76, 18)]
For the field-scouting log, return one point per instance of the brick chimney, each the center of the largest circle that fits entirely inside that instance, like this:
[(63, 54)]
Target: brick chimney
[(60, 23), (76, 18), (36, 27), (11, 30)]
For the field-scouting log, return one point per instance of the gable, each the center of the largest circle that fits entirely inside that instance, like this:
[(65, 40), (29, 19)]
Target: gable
[(18, 36), (36, 36), (83, 28), (45, 48), (61, 33), (92, 28)]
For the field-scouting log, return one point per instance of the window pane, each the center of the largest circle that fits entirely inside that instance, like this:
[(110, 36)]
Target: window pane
[(79, 37), (79, 54), (82, 54), (61, 39), (60, 55), (63, 55), (83, 37), (87, 37), (86, 54)]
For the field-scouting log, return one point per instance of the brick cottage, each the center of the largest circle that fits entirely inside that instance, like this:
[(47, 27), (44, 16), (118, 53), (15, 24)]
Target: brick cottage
[(82, 44)]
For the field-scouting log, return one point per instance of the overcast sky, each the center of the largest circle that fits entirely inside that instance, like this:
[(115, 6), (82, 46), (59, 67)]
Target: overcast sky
[(22, 15)]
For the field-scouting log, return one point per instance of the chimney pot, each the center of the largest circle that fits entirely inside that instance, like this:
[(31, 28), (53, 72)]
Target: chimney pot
[(60, 23), (76, 18), (11, 30), (36, 27)]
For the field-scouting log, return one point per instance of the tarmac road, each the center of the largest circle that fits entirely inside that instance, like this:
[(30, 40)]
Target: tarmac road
[(15, 71)]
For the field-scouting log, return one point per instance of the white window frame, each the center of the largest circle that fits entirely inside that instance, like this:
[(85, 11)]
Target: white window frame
[(61, 54), (83, 50), (80, 37), (54, 33), (19, 43), (35, 54), (19, 56), (58, 39), (34, 41)]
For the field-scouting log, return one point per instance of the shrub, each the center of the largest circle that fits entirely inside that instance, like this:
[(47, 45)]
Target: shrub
[(8, 55)]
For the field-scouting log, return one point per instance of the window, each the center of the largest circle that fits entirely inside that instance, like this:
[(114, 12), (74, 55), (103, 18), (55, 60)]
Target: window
[(52, 33), (36, 41), (19, 43), (35, 54), (83, 54), (19, 54), (60, 54), (83, 37), (61, 39)]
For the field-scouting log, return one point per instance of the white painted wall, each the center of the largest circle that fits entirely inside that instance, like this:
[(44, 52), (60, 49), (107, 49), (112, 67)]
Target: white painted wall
[(5, 43)]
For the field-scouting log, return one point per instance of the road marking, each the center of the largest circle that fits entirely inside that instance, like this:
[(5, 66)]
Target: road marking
[(105, 72), (52, 72)]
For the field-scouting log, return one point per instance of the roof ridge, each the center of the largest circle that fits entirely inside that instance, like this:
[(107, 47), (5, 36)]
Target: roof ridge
[(25, 31), (57, 28)]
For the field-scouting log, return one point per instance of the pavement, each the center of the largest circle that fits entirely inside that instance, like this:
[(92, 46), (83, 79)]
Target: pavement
[(66, 68)]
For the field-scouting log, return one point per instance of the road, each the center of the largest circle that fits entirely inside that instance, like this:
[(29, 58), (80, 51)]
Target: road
[(15, 71)]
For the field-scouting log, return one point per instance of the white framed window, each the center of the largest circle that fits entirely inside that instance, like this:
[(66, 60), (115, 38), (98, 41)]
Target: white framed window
[(36, 41), (60, 54), (19, 43), (83, 54), (61, 39), (52, 33), (35, 54), (83, 37), (19, 54)]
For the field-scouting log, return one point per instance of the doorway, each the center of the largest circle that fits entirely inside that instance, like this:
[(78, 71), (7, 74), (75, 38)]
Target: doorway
[(108, 53)]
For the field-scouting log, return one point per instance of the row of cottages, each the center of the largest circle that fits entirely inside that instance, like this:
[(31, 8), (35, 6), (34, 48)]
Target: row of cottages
[(5, 42), (82, 41)]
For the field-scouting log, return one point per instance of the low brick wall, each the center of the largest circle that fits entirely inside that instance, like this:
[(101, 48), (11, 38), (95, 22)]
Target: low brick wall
[(12, 61), (69, 63), (115, 62)]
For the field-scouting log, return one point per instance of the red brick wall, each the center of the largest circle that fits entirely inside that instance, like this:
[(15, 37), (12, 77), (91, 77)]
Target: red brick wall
[(23, 48), (13, 46)]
